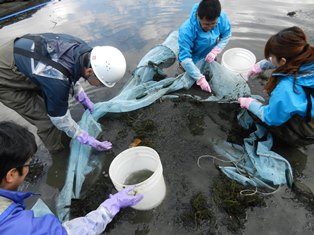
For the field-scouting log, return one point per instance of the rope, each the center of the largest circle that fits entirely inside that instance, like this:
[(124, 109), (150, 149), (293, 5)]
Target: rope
[(211, 156), (245, 192)]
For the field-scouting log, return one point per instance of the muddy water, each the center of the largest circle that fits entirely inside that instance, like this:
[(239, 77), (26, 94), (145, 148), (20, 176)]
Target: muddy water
[(138, 177), (135, 26)]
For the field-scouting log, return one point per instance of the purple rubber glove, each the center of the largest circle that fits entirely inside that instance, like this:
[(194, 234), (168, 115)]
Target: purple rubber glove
[(85, 138), (256, 69), (120, 200), (212, 54), (204, 84), (245, 102), (85, 101)]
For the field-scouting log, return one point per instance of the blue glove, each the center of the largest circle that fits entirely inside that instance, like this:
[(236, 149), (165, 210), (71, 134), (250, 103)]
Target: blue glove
[(120, 200), (85, 101), (85, 138)]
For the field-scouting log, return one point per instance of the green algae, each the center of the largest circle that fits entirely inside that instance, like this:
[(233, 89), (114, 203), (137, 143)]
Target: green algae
[(227, 195)]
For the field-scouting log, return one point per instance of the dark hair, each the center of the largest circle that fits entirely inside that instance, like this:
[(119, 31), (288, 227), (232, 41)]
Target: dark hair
[(17, 145), (291, 44), (85, 60), (210, 9)]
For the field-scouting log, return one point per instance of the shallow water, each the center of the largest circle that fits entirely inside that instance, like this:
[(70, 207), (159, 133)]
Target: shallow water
[(138, 177), (135, 26)]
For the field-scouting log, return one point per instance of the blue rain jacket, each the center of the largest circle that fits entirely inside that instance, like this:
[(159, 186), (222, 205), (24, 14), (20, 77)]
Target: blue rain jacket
[(16, 220), (194, 43), (55, 86), (287, 99)]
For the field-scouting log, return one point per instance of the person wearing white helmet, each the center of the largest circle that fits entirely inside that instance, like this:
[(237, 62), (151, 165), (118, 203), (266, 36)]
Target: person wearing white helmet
[(38, 72), (108, 69)]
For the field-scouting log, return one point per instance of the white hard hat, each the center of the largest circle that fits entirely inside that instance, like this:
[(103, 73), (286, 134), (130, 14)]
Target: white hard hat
[(108, 64)]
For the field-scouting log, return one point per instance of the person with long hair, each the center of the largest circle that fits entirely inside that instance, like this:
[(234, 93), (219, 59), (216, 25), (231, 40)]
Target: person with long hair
[(289, 112)]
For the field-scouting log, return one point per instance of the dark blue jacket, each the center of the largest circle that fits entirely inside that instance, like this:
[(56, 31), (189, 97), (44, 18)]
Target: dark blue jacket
[(55, 86)]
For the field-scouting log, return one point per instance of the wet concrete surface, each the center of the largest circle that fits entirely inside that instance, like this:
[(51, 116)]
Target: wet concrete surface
[(198, 200)]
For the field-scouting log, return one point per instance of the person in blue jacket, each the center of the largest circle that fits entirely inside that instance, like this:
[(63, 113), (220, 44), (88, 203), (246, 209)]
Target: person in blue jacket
[(38, 72), (17, 146), (204, 35), (289, 112)]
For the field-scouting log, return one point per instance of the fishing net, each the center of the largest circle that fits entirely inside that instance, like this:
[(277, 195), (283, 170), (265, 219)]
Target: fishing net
[(141, 91)]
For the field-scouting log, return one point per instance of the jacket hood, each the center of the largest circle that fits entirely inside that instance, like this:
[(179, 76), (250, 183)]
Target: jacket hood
[(305, 77)]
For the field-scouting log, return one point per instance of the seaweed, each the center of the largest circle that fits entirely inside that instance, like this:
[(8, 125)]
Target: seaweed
[(227, 195)]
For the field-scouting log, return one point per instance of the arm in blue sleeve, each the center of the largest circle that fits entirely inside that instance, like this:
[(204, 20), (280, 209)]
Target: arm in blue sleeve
[(93, 223), (185, 41), (191, 69), (282, 105), (257, 109), (223, 42), (225, 32)]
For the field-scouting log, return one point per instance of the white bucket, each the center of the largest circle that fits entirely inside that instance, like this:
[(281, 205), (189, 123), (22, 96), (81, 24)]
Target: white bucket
[(134, 160), (238, 60)]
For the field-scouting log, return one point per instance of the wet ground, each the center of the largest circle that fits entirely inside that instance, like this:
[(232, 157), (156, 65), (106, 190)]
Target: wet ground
[(193, 204), (198, 200)]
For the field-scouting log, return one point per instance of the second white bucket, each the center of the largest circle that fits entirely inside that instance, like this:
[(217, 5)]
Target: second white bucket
[(238, 60), (132, 161)]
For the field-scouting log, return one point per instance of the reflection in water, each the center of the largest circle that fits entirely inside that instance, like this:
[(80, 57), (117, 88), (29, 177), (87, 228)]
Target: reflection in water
[(137, 25)]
